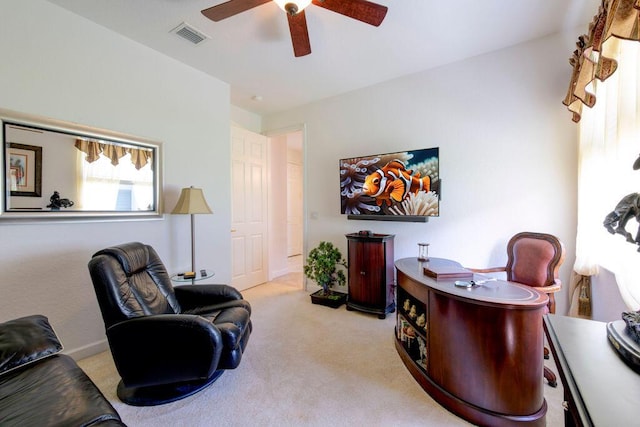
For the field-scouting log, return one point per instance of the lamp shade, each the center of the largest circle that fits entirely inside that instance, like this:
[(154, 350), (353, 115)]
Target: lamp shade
[(191, 201)]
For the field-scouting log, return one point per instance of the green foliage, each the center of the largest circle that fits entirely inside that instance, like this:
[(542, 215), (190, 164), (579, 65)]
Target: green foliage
[(322, 266)]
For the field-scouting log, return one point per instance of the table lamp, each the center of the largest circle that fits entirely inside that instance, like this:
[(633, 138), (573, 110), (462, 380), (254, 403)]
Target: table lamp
[(192, 202)]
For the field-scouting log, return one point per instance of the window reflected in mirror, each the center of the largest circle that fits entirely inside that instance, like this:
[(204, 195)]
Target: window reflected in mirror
[(113, 177)]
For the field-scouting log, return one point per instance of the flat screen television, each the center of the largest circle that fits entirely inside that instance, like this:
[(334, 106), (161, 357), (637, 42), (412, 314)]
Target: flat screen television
[(401, 186)]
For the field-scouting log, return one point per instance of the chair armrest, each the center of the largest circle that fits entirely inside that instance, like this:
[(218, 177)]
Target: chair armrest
[(164, 348), (556, 287), (488, 270), (194, 296)]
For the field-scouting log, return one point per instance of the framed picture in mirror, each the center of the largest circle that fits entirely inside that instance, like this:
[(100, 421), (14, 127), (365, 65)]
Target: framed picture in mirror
[(25, 170)]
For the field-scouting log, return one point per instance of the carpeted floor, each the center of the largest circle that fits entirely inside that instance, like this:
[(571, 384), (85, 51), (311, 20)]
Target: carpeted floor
[(305, 365)]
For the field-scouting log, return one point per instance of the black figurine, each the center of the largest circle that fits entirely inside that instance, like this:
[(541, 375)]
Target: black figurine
[(56, 202), (632, 320), (628, 207)]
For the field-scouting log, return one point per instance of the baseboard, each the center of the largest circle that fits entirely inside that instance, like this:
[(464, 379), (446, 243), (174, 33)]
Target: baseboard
[(88, 350), (279, 273)]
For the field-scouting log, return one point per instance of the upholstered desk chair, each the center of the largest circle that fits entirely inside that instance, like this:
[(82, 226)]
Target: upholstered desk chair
[(167, 343), (533, 259)]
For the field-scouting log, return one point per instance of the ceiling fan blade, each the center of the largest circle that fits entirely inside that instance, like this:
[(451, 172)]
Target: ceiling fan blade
[(230, 8), (299, 34), (362, 10)]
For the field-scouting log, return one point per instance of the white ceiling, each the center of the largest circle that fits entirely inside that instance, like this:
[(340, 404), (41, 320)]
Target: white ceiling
[(252, 51)]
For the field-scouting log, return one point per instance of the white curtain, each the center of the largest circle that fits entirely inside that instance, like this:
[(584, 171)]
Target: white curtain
[(609, 143)]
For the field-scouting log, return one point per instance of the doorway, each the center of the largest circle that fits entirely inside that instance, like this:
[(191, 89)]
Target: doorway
[(286, 204), (268, 227), (295, 197)]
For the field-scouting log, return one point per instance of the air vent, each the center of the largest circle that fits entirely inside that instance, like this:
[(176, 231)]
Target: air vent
[(189, 33)]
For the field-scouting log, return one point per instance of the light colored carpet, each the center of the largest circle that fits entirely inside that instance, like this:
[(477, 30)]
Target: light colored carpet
[(305, 365)]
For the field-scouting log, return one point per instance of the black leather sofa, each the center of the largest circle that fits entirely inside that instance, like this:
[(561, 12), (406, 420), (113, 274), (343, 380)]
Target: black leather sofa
[(41, 387)]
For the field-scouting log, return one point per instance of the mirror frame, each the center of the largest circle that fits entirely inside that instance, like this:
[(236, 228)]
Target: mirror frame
[(44, 123)]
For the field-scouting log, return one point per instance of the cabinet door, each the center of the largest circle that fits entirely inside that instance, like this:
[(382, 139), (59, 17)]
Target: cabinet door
[(367, 273)]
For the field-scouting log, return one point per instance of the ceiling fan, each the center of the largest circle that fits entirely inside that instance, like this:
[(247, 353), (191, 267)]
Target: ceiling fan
[(361, 10)]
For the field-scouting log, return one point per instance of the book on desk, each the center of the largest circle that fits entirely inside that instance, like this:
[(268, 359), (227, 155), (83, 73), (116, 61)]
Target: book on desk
[(440, 271)]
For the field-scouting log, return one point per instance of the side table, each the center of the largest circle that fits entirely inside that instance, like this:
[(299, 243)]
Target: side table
[(179, 277)]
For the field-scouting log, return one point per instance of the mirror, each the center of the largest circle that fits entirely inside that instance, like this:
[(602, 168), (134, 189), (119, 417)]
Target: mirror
[(55, 169)]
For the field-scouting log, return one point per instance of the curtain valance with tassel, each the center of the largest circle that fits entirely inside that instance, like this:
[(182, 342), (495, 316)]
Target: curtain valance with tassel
[(597, 53), (139, 156)]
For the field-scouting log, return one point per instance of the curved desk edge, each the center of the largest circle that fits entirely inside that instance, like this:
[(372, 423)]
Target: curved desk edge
[(472, 413), (500, 292)]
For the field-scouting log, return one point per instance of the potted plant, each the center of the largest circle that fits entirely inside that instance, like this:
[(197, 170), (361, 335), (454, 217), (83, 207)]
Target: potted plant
[(322, 267)]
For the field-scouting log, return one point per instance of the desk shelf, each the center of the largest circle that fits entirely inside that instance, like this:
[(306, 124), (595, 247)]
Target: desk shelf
[(411, 328)]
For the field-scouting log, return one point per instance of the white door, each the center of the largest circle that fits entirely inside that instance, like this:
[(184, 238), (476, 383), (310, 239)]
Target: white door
[(248, 209)]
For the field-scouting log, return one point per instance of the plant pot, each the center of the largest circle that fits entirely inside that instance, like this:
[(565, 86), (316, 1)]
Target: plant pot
[(333, 300)]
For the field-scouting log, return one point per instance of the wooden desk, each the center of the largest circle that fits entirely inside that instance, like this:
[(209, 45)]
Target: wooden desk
[(599, 388), (477, 351)]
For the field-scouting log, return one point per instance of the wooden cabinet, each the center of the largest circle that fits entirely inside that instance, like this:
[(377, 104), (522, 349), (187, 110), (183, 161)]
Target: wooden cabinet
[(477, 351), (371, 273)]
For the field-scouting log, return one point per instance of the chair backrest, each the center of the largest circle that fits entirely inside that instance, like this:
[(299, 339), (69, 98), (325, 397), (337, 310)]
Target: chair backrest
[(534, 259), (130, 281)]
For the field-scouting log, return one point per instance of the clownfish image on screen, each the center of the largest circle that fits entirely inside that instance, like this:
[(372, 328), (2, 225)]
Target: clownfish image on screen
[(395, 184)]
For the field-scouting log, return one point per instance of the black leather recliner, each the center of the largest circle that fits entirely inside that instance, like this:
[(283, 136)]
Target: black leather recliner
[(167, 343)]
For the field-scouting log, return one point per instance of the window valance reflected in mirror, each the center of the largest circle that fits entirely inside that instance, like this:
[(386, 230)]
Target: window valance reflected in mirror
[(59, 169)]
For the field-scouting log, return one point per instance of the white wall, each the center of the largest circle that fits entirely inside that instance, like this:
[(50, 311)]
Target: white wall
[(246, 119), (607, 304), (507, 152), (64, 67)]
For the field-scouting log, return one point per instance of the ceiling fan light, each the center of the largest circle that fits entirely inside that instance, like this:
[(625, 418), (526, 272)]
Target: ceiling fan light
[(292, 6)]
